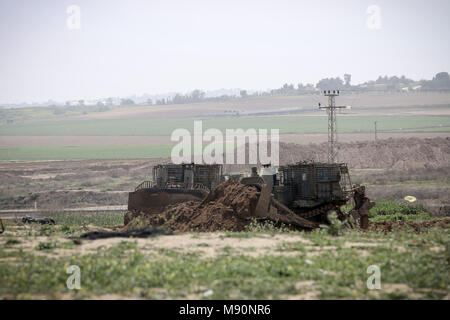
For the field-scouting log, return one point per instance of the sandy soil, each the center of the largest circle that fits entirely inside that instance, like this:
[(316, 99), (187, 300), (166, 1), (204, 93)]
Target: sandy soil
[(209, 245)]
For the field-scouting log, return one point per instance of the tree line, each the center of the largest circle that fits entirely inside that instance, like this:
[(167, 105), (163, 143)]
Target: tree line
[(440, 82)]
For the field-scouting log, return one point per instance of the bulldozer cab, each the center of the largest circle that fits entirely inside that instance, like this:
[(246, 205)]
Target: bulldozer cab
[(174, 183), (187, 176)]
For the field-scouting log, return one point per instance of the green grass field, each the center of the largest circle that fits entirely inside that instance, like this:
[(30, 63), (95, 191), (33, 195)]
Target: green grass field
[(164, 127), (84, 152), (298, 265), (31, 153), (286, 124), (101, 220)]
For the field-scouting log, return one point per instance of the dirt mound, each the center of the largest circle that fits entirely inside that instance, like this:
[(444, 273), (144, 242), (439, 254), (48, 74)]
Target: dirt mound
[(404, 153), (418, 227), (228, 207), (389, 153)]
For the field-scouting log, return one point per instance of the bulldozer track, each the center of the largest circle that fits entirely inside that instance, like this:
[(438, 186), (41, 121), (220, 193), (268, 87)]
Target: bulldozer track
[(292, 216), (317, 211)]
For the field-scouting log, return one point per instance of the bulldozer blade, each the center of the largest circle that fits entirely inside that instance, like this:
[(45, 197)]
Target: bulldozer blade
[(362, 206), (289, 217), (269, 208), (364, 213), (262, 207)]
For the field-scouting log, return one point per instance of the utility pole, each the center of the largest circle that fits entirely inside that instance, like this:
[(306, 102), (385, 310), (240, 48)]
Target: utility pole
[(375, 130), (332, 127)]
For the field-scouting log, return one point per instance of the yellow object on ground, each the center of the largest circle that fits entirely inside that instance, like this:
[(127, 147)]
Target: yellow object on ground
[(410, 198)]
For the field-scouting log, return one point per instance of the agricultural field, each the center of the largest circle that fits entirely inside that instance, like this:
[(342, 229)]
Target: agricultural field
[(286, 124), (370, 103), (150, 138), (84, 152), (263, 262)]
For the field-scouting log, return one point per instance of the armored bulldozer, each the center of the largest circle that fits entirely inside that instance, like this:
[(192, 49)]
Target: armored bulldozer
[(301, 194), (307, 190), (174, 183)]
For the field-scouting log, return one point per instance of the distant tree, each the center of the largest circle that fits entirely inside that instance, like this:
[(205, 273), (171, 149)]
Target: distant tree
[(442, 76), (288, 87), (126, 102), (330, 84), (81, 102), (178, 98), (110, 101), (285, 89), (197, 96), (347, 79), (243, 93), (441, 81), (149, 102)]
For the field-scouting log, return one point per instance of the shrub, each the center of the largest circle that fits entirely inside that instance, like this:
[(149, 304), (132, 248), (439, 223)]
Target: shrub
[(392, 208)]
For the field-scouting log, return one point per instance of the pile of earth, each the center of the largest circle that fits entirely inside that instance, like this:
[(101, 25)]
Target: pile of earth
[(228, 207), (404, 153)]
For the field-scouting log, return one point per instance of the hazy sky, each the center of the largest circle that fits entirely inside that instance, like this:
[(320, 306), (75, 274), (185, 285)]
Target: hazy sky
[(133, 47)]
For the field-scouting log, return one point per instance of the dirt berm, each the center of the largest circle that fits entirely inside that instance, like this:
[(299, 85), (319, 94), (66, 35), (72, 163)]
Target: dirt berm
[(228, 207)]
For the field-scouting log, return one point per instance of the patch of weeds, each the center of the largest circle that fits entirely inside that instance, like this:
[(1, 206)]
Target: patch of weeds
[(240, 235), (226, 250), (100, 220), (292, 246), (11, 242), (47, 245), (266, 226), (9, 254), (392, 207), (204, 244), (67, 230), (396, 295), (67, 245), (46, 230), (127, 245), (320, 237), (401, 217), (171, 253)]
